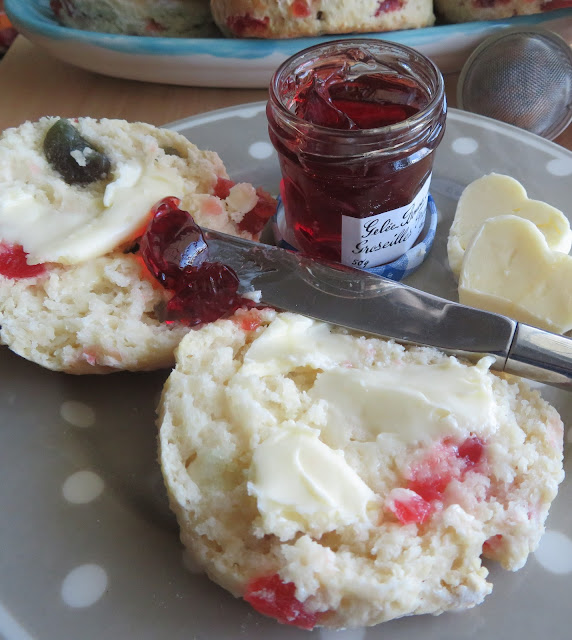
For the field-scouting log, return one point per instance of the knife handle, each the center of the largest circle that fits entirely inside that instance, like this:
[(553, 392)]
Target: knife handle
[(541, 356)]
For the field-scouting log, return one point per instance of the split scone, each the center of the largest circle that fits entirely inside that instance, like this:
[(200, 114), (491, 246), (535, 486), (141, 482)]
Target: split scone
[(337, 480), (75, 198), (171, 18), (296, 18)]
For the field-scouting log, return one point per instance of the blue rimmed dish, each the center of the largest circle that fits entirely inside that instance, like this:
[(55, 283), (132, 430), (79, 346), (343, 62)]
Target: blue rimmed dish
[(228, 62)]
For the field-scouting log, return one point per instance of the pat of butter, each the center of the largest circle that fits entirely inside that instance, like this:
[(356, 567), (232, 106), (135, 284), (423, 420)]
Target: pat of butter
[(412, 402), (293, 341), (510, 269), (494, 195), (69, 234), (126, 177), (300, 484)]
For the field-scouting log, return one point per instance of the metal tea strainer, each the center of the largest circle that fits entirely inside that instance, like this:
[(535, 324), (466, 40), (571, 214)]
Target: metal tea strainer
[(521, 76)]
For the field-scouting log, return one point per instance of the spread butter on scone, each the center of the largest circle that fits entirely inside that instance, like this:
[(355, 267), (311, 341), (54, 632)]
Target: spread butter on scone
[(75, 196), (333, 479)]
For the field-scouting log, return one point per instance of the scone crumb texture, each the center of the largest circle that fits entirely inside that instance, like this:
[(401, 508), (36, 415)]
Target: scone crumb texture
[(338, 480)]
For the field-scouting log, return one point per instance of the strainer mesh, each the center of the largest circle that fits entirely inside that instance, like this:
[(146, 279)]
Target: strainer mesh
[(524, 79)]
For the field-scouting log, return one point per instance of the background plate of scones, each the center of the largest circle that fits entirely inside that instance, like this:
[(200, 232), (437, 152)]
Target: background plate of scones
[(239, 43), (265, 475)]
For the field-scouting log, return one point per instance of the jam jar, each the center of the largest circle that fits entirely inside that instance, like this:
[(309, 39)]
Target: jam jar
[(355, 123)]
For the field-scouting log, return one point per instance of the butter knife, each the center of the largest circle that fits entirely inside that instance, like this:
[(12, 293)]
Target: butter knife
[(381, 307)]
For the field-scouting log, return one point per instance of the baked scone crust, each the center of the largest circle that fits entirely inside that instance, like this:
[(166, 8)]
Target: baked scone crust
[(298, 18), (470, 10), (171, 18)]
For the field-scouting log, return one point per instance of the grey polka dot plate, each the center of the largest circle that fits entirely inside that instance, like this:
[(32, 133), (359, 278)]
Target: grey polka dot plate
[(88, 547)]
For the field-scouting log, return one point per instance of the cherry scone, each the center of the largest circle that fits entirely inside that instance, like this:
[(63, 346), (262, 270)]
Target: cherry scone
[(339, 480), (76, 197)]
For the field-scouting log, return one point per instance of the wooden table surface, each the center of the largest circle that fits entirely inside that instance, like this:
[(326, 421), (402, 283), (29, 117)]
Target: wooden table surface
[(32, 85)]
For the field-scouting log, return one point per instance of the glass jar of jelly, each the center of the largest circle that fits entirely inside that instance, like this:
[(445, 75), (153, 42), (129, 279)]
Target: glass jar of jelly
[(355, 123)]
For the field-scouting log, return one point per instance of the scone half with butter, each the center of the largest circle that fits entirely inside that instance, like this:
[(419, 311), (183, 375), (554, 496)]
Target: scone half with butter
[(337, 480), (75, 198)]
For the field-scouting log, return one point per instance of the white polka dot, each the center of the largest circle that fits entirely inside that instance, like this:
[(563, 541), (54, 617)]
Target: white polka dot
[(82, 487), (77, 413), (555, 552), (260, 150), (345, 634), (84, 586), (560, 167), (250, 112), (465, 146)]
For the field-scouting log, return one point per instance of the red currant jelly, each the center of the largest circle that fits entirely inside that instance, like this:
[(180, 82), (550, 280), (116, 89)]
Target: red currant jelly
[(366, 102), (175, 252), (205, 294), (355, 124), (171, 242)]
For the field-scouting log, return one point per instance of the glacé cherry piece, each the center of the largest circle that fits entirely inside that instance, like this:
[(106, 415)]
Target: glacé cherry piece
[(430, 477), (13, 263), (222, 188), (272, 597), (171, 242), (386, 6), (300, 9), (247, 25), (152, 26), (255, 219), (56, 7), (446, 462), (471, 451), (414, 509)]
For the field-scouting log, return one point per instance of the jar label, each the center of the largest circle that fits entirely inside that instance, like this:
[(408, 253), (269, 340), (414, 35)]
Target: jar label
[(369, 242)]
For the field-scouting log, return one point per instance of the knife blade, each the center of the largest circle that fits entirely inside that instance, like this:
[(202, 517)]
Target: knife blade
[(371, 304)]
